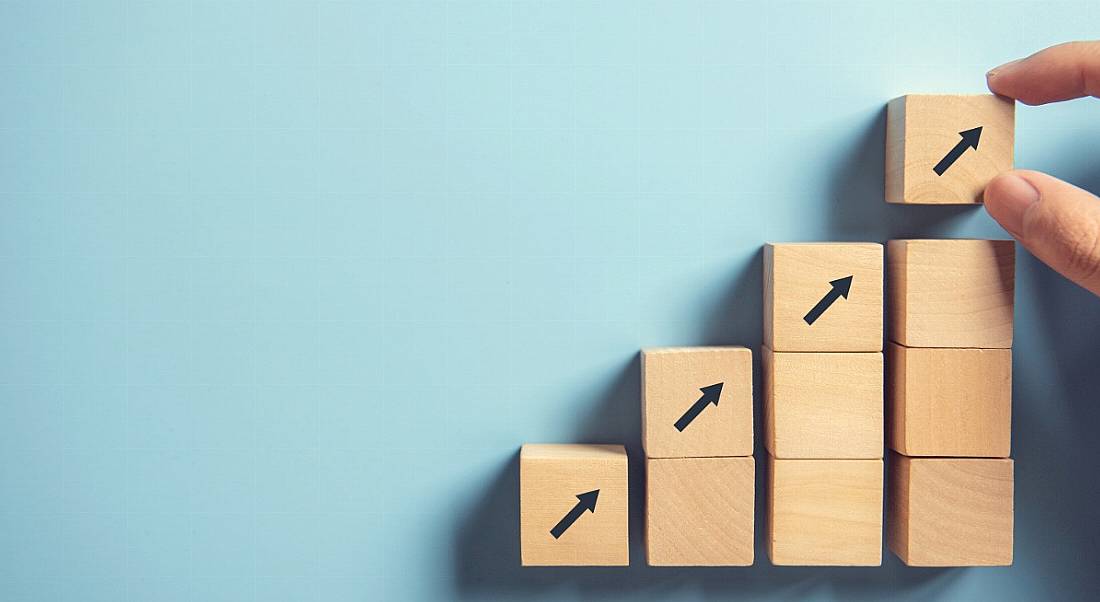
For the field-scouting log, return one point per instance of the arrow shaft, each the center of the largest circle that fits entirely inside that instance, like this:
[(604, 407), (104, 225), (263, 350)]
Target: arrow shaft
[(821, 306), (949, 159), (567, 521), (691, 413)]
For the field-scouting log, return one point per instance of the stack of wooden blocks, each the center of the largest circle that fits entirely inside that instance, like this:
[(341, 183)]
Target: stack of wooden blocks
[(950, 359), (698, 439), (949, 377), (950, 398), (823, 373)]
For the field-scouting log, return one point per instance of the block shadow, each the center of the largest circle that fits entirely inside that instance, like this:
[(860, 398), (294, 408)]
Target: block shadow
[(857, 207)]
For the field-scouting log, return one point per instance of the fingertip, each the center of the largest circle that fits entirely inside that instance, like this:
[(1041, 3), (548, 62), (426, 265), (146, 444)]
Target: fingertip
[(996, 75), (1008, 197), (1058, 73)]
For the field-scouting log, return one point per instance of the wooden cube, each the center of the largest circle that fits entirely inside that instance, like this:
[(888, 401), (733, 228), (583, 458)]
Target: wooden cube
[(825, 512), (950, 402), (823, 296), (696, 402), (699, 511), (573, 505), (951, 511), (951, 293), (944, 149), (822, 405)]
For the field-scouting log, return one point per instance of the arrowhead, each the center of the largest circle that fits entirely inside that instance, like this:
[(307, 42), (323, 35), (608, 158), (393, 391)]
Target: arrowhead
[(588, 500), (842, 285), (971, 137), (712, 393)]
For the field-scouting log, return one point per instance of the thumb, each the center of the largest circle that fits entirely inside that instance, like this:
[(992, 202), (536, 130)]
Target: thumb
[(1058, 222)]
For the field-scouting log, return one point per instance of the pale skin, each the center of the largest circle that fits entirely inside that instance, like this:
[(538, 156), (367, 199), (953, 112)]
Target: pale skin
[(1058, 222)]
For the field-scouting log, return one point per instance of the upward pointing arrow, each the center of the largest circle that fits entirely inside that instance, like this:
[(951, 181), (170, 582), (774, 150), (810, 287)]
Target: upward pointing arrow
[(841, 287), (710, 395), (585, 501), (969, 139)]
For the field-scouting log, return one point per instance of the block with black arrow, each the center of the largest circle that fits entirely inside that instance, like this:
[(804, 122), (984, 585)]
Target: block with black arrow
[(696, 402), (573, 505), (943, 149), (823, 296)]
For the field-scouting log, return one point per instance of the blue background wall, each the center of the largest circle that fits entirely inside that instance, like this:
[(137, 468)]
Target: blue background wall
[(286, 284)]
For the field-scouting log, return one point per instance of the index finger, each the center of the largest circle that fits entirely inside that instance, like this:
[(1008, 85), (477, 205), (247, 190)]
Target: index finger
[(1062, 72)]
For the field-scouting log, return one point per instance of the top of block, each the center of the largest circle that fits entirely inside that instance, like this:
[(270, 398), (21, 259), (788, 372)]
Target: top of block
[(953, 241), (823, 243), (675, 350), (566, 451), (943, 97), (823, 296)]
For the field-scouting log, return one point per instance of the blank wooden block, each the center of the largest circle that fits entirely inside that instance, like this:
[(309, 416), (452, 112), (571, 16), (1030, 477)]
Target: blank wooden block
[(699, 511), (836, 286), (951, 511), (555, 490), (822, 405), (951, 293), (925, 132), (825, 512), (678, 390), (950, 402)]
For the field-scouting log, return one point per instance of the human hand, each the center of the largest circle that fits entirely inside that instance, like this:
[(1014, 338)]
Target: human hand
[(1058, 222)]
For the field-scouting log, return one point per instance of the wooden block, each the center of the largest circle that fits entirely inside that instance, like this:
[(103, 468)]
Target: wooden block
[(950, 402), (823, 296), (822, 405), (699, 511), (951, 511), (951, 293), (825, 512), (696, 402), (935, 153), (573, 505)]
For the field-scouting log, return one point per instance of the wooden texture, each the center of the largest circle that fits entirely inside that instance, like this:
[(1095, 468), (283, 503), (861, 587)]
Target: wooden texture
[(671, 383), (825, 512), (550, 478), (951, 511), (949, 402), (921, 129), (699, 511), (797, 276), (951, 293), (823, 405)]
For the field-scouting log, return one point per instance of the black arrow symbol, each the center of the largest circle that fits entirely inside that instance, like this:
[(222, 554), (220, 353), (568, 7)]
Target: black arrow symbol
[(710, 395), (841, 286), (586, 501), (969, 140)]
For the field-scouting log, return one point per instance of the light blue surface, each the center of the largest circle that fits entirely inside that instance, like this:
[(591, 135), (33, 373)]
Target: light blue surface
[(284, 285)]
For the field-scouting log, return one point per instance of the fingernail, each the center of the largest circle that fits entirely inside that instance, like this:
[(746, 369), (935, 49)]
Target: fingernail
[(1012, 197), (1001, 69)]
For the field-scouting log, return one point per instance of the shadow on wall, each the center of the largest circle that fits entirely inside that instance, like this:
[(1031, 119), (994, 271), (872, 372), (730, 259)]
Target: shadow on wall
[(857, 209)]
